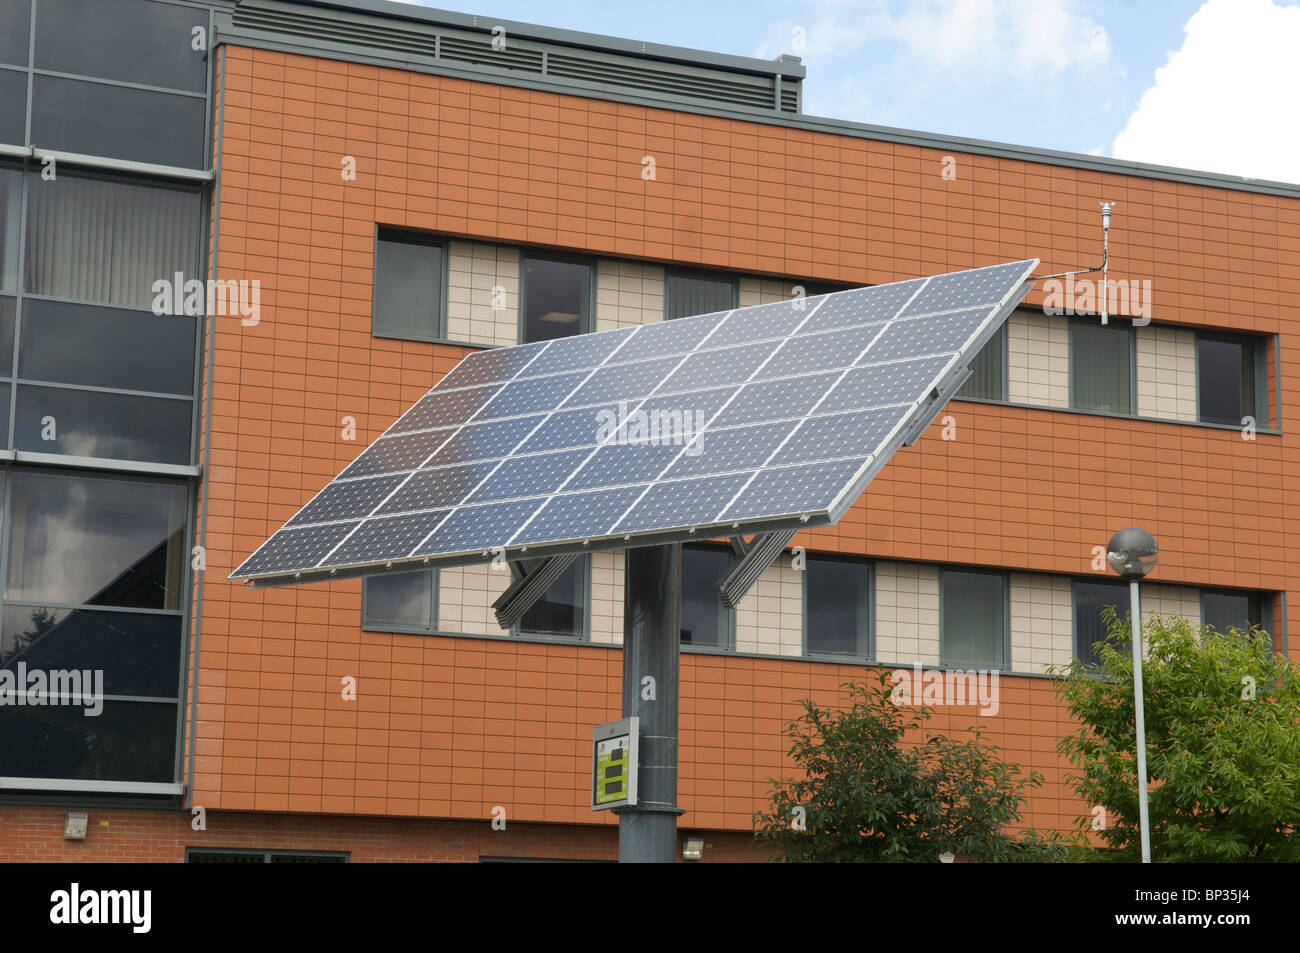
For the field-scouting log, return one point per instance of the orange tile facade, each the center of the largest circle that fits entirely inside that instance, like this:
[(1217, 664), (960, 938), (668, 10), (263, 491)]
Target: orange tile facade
[(447, 727)]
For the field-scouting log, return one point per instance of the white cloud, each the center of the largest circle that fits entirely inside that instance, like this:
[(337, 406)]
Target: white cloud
[(1226, 101), (979, 39)]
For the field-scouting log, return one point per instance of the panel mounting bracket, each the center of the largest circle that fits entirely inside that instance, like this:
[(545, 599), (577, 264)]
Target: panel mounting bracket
[(760, 553), (527, 587)]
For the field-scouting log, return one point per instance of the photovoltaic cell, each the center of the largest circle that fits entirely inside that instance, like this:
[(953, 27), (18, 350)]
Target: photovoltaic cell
[(590, 441)]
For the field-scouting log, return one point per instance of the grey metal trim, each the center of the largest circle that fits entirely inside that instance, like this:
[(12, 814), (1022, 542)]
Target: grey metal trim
[(1105, 413), (1284, 635), (762, 553), (828, 125), (1277, 382), (103, 81), (120, 391), (92, 787), (122, 165), (520, 595), (16, 152), (79, 607), (7, 455), (103, 463)]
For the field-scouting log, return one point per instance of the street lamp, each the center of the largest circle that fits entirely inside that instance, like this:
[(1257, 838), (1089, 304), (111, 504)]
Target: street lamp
[(1133, 553)]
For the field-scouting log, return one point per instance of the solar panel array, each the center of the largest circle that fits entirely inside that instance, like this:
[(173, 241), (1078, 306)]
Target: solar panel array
[(743, 419)]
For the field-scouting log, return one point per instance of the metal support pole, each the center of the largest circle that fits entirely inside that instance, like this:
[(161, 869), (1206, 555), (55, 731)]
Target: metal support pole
[(652, 622), (1139, 710)]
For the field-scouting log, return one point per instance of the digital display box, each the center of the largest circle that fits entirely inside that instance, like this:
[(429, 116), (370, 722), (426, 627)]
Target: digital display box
[(614, 753)]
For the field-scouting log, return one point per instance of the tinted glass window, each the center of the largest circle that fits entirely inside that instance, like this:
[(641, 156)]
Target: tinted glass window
[(129, 40), (139, 653), (103, 240), (1224, 611), (81, 540), (557, 299), (13, 107), (84, 423), (408, 288), (837, 599), (693, 294), (973, 634), (1225, 377), (1101, 368), (402, 599), (6, 395), (988, 370), (704, 619), (11, 195), (562, 609), (15, 32), (1090, 600), (8, 307), (107, 347), (127, 741), (117, 122)]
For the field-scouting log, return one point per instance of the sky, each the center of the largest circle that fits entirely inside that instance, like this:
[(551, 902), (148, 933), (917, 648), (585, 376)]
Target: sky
[(1212, 85)]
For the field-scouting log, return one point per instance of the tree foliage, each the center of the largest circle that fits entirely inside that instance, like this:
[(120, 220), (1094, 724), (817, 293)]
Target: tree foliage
[(1222, 715), (867, 795)]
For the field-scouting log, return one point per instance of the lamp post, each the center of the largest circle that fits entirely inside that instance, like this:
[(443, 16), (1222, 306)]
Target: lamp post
[(1133, 553)]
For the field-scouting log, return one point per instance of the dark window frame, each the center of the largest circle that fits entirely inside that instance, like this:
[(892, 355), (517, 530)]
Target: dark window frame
[(1119, 324), (699, 273), (1074, 611), (727, 637), (1004, 578), (1258, 605), (1003, 336), (867, 638), (1256, 346), (339, 856), (406, 236), (586, 323)]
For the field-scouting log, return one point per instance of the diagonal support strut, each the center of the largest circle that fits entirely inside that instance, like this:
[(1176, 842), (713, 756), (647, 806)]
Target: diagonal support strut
[(760, 553), (528, 587)]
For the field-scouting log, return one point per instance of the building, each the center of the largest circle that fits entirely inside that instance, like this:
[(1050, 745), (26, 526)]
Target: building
[(394, 187)]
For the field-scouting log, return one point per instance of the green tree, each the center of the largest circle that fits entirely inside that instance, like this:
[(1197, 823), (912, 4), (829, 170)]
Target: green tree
[(1223, 743), (867, 795)]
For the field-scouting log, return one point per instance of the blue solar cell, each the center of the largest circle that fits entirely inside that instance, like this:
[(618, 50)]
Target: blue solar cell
[(687, 414), (668, 337), (439, 488), (349, 499), (623, 381), (578, 515), (525, 476), (382, 538), (840, 435), (530, 395), (485, 367), (571, 428), (395, 454), (479, 528), (860, 306), (962, 289), (776, 399), (881, 384), (294, 550), (793, 491), (443, 409), (617, 464), (764, 322), (742, 448), (496, 438), (942, 334), (682, 503), (732, 365), (578, 352), (818, 352)]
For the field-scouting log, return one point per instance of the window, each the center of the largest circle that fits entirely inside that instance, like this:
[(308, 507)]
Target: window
[(1227, 382), (1090, 600), (408, 602), (988, 379), (686, 294), (973, 620), (557, 298), (1101, 367), (705, 621), (11, 213), (837, 606), (410, 277), (1224, 611), (13, 104), (203, 855), (15, 27)]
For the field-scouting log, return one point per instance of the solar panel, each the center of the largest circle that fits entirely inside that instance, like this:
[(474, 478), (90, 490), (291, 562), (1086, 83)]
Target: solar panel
[(745, 421)]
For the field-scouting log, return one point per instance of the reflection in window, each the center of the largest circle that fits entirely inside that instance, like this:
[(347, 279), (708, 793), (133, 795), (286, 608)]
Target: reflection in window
[(556, 298), (107, 241), (562, 609), (13, 106), (83, 540), (408, 293), (401, 600), (1090, 600), (1225, 380), (82, 423), (705, 621), (974, 628), (687, 294), (1101, 367), (127, 741), (11, 195), (837, 600)]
